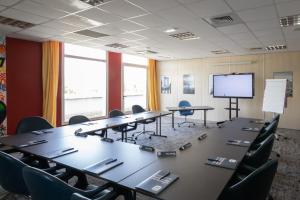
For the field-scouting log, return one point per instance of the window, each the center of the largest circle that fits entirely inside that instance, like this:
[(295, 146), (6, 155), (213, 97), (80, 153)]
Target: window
[(134, 81), (84, 82)]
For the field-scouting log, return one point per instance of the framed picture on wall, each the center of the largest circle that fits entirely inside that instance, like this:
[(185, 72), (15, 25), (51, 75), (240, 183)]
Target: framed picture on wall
[(188, 84), (165, 84), (289, 77)]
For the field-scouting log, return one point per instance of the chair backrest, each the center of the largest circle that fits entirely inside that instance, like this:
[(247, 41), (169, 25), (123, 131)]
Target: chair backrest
[(255, 186), (42, 185), (137, 109), (266, 132), (117, 113), (35, 123), (185, 103), (2, 112), (11, 178), (276, 120), (262, 153), (77, 119)]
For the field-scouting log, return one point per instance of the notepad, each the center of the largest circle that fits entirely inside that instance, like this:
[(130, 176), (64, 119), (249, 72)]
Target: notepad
[(31, 143), (61, 152), (222, 162), (103, 166), (254, 129), (242, 143), (163, 154), (157, 183), (89, 123)]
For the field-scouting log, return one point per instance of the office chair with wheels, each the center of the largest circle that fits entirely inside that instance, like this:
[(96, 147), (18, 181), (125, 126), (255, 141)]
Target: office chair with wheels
[(78, 119), (123, 129), (11, 175), (255, 185), (266, 131), (139, 109), (259, 153), (185, 113), (42, 185)]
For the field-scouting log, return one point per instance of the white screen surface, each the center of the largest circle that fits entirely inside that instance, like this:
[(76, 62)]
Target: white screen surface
[(235, 85)]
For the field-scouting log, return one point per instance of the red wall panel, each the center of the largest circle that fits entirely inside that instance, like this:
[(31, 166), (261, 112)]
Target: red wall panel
[(114, 62), (24, 80)]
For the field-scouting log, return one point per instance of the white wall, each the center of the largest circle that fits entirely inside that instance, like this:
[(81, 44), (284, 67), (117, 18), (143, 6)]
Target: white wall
[(263, 66)]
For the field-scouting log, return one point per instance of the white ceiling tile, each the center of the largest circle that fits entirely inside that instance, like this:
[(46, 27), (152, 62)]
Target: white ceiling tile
[(242, 36), (268, 33), (131, 36), (262, 13), (290, 8), (108, 29), (264, 24), (46, 30), (249, 43), (155, 5), (2, 8), (293, 45), (271, 42), (129, 26), (61, 26), (123, 8), (90, 43), (8, 2), (99, 15), (290, 33), (237, 28), (63, 39), (23, 16), (80, 21), (247, 4), (113, 39), (8, 29), (76, 36), (65, 5), (209, 8), (150, 21), (27, 37), (188, 1), (39, 9), (34, 33)]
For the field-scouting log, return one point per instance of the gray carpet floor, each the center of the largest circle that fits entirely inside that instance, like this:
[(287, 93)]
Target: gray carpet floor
[(286, 185)]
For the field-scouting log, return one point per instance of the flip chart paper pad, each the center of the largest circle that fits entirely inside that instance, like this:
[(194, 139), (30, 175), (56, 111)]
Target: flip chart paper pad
[(274, 96)]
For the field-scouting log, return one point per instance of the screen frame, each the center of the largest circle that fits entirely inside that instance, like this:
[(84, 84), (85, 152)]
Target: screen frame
[(253, 87)]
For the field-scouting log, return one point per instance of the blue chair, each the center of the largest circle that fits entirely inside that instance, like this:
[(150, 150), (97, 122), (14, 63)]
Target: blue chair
[(185, 113), (42, 185)]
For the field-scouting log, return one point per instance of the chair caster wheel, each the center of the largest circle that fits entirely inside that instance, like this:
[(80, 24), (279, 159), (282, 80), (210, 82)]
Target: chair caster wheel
[(134, 142), (135, 138), (150, 137)]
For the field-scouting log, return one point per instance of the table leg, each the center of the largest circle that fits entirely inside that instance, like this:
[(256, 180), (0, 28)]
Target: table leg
[(205, 118), (158, 129), (173, 126)]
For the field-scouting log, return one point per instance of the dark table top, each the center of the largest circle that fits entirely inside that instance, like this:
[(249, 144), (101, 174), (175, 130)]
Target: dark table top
[(175, 108), (196, 179)]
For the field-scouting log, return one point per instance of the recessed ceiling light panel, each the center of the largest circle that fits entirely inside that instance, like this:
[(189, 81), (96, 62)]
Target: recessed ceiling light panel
[(90, 33), (95, 2), (185, 36), (292, 20), (220, 52)]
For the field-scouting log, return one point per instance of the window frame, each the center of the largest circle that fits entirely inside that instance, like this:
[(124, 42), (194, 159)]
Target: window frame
[(63, 122), (122, 85)]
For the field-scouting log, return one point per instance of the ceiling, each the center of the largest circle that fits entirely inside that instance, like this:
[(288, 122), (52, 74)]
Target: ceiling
[(140, 25)]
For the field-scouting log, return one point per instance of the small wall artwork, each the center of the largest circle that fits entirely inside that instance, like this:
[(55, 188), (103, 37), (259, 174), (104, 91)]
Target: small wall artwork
[(3, 125), (165, 84), (289, 77), (188, 84)]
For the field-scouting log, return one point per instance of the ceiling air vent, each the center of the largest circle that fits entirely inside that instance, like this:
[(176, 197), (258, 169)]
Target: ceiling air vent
[(117, 46), (287, 21), (218, 52), (90, 33), (15, 23), (224, 20), (185, 36), (276, 47), (95, 2)]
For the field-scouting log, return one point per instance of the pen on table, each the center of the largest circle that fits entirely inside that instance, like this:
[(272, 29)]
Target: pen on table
[(164, 176), (111, 161), (69, 149)]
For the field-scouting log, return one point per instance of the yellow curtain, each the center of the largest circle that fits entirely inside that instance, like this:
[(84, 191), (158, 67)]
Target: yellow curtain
[(50, 70), (153, 98)]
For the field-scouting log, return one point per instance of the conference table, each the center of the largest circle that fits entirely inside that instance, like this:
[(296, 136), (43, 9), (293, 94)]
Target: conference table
[(175, 109), (196, 179)]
